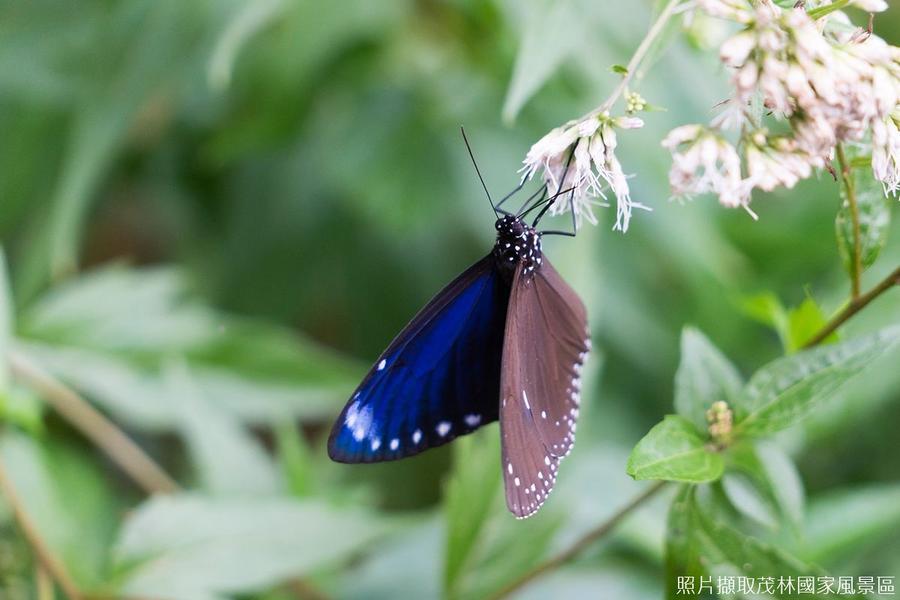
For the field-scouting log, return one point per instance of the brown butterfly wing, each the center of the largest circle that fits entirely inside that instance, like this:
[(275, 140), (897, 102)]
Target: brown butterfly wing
[(545, 344)]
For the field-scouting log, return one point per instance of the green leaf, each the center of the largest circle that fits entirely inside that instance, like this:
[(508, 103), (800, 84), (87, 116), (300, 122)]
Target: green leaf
[(704, 376), (723, 549), (845, 523), (786, 390), (469, 497), (251, 18), (775, 477), (743, 494), (85, 333), (228, 460), (874, 214), (553, 30), (682, 558), (188, 546), (804, 322), (822, 11), (23, 408), (768, 310), (295, 457), (619, 69), (795, 326), (68, 499), (673, 450)]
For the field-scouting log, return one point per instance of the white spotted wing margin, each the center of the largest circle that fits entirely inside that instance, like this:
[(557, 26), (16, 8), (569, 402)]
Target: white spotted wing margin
[(437, 380), (545, 344)]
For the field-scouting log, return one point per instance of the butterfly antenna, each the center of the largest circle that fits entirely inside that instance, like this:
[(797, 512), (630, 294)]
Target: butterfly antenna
[(478, 171), (545, 202)]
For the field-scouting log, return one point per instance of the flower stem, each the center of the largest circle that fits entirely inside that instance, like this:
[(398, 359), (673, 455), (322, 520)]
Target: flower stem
[(821, 11), (142, 469), (581, 544), (42, 552), (632, 68), (854, 306), (856, 258)]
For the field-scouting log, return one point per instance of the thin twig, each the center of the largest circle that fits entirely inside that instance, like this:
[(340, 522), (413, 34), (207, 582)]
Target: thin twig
[(639, 54), (142, 469), (42, 551), (855, 305), (856, 257), (581, 544)]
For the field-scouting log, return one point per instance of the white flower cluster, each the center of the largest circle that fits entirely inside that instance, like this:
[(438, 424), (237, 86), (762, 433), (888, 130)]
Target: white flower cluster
[(829, 83), (580, 156)]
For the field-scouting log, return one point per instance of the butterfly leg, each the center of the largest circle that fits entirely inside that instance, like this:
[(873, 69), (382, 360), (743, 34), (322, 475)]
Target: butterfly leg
[(574, 231)]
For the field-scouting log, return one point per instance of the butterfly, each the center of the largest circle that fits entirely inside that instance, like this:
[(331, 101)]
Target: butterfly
[(505, 340)]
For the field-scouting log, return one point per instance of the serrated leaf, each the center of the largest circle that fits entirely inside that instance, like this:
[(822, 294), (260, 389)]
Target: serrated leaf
[(228, 460), (785, 390), (189, 546), (469, 497), (874, 214), (674, 451), (704, 376)]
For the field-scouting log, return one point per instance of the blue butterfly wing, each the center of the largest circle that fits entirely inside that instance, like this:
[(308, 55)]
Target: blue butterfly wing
[(439, 378)]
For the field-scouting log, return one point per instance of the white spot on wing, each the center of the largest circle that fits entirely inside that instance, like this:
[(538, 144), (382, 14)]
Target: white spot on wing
[(395, 443), (473, 420), (443, 428), (382, 364), (417, 436), (516, 481), (525, 398), (376, 444)]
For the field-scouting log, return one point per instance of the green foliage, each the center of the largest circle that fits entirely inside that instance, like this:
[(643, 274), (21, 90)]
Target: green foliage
[(215, 214), (674, 451), (702, 542), (794, 326), (704, 376), (784, 391), (873, 211), (192, 546), (470, 495)]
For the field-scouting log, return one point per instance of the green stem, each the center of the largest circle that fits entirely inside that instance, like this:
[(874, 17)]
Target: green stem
[(818, 13), (47, 560), (632, 68), (853, 307), (142, 469), (847, 178), (581, 544)]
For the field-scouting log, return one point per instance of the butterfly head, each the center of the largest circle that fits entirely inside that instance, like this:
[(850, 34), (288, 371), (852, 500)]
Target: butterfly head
[(517, 242)]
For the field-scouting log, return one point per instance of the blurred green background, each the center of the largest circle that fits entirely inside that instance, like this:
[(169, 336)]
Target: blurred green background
[(215, 214)]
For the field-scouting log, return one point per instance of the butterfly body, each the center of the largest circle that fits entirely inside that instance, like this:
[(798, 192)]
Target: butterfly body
[(505, 340)]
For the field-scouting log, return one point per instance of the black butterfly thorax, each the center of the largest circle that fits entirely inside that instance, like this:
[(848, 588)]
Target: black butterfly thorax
[(517, 242)]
